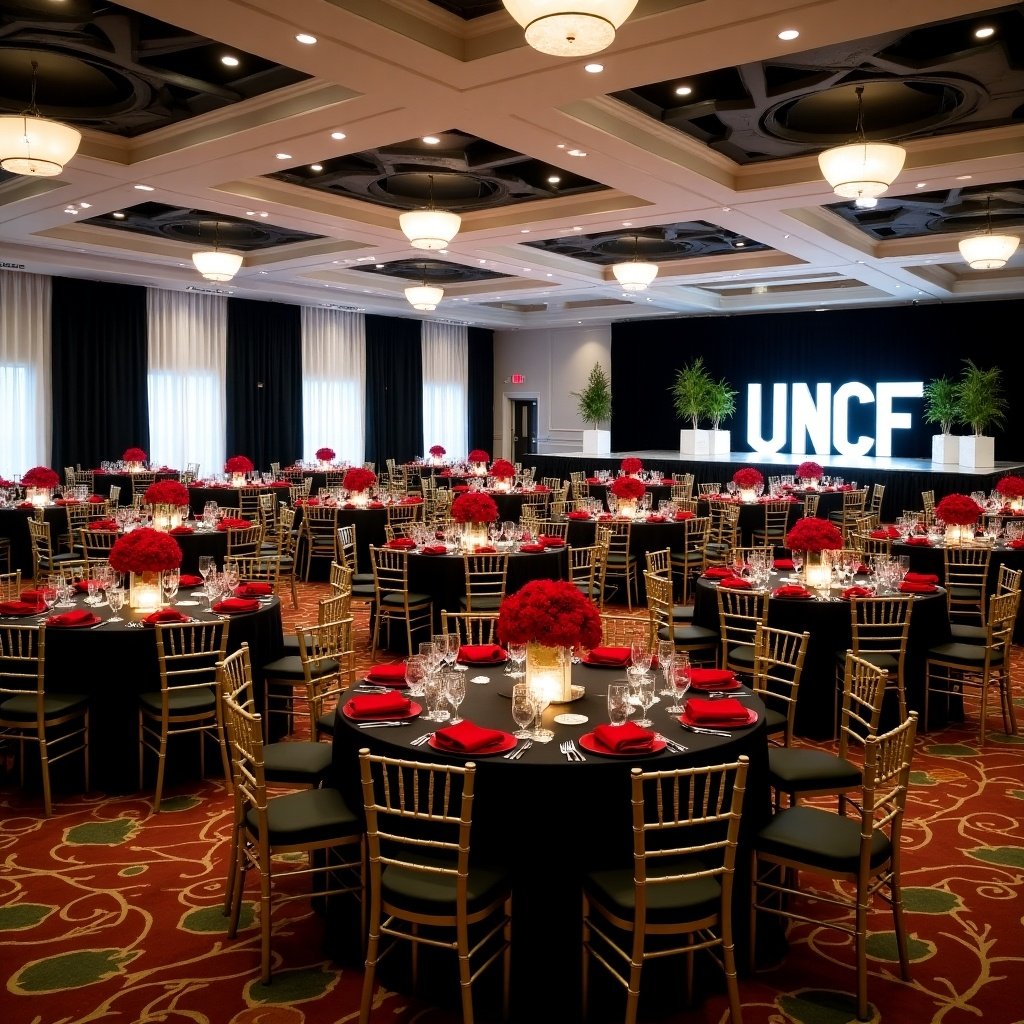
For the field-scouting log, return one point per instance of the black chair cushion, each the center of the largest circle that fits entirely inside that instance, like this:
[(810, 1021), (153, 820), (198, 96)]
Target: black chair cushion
[(880, 659), (968, 634), (742, 655), (481, 604), (819, 839), (682, 613), (774, 720), (434, 893), (290, 667), (398, 599), (23, 706), (688, 900), (967, 655), (310, 816), (299, 762), (801, 769), (687, 636), (180, 702)]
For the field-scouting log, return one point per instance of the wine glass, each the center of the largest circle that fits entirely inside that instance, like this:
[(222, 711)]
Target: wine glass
[(680, 683), (541, 699), (517, 652), (666, 656), (49, 597), (798, 561), (524, 709), (415, 672), (115, 598), (647, 699), (431, 656), (451, 654), (455, 690), (640, 654), (170, 579), (619, 707), (435, 695), (206, 565)]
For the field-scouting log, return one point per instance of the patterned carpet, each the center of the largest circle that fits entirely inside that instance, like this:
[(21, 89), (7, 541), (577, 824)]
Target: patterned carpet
[(110, 913)]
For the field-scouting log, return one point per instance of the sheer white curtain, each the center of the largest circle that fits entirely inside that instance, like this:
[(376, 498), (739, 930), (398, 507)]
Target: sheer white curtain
[(188, 336), (333, 383), (25, 401), (445, 386)]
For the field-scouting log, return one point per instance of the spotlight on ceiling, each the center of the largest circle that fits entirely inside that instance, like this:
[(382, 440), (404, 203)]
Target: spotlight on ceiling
[(570, 28)]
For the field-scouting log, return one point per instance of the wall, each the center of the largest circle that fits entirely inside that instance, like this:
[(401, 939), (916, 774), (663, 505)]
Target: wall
[(555, 363)]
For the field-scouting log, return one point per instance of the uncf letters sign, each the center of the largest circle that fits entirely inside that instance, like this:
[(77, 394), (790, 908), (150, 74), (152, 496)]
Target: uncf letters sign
[(822, 417)]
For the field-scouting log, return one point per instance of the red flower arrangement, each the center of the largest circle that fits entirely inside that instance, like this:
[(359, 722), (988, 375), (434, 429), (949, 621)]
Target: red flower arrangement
[(104, 525), (478, 455), (631, 465), (1011, 487), (474, 507), (628, 488), (238, 464), (133, 455), (231, 523), (166, 492), (747, 478), (503, 469), (550, 612), (437, 450), (811, 534), (325, 454), (40, 476), (359, 479), (810, 471), (958, 510), (145, 550)]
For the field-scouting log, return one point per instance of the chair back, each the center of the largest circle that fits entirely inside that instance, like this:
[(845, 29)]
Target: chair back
[(340, 578), (966, 580), (390, 572), (22, 665), (928, 504), (486, 576), (740, 612), (348, 553), (810, 502), (553, 528), (327, 654), (244, 730), (586, 569), (96, 544), (249, 503), (874, 507), (400, 516), (708, 488), (863, 693), (723, 532), (659, 606), (881, 626), (1008, 580), (779, 656), (470, 627), (775, 524), (256, 568), (244, 540), (188, 653), (140, 483), (10, 585), (659, 562)]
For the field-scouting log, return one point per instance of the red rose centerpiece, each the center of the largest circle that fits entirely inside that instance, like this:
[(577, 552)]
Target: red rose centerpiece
[(550, 617), (809, 473), (357, 482), (748, 480), (144, 554), (170, 503), (815, 537), (135, 459), (237, 466), (325, 456), (1011, 488), (474, 510), (959, 513), (631, 465), (437, 453), (39, 482), (628, 490), (503, 472), (478, 460)]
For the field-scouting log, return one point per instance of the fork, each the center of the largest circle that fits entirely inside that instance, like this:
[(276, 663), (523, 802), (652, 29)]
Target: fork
[(566, 748), (514, 755), (576, 752), (673, 745), (420, 740)]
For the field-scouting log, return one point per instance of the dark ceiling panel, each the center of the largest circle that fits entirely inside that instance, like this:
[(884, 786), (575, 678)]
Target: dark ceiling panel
[(469, 9), (434, 271)]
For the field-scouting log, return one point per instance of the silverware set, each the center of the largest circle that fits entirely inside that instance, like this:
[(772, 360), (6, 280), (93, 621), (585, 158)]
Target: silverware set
[(568, 747), (514, 755), (673, 745), (705, 732), (381, 724), (420, 740)]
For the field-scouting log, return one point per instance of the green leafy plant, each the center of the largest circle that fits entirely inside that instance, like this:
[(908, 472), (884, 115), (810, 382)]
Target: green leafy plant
[(594, 402), (941, 404), (980, 400), (721, 402), (691, 392)]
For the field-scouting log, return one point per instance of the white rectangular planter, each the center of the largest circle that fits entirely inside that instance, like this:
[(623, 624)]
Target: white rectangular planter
[(945, 448), (694, 442), (597, 442), (721, 442), (977, 452)]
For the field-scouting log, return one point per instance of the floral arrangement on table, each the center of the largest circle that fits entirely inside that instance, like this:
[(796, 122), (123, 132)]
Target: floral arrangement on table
[(478, 455), (359, 479), (503, 469), (815, 535), (631, 465), (104, 525), (628, 488), (232, 523), (809, 471), (41, 477), (958, 510), (748, 478), (474, 507), (438, 451), (325, 454), (1011, 487), (238, 464), (134, 455), (166, 492), (145, 550)]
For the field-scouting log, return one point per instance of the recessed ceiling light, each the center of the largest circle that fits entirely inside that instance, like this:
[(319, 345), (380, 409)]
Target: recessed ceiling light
[(250, 213), (740, 243), (431, 140), (866, 202), (524, 231), (627, 223), (789, 33), (229, 61), (577, 152), (283, 156), (561, 145), (263, 213), (594, 69), (576, 227), (144, 188), (683, 90), (549, 275), (85, 206), (337, 135), (726, 209), (305, 38), (482, 261), (443, 252), (264, 272), (922, 184), (118, 215), (984, 32), (316, 167), (963, 177), (554, 179)]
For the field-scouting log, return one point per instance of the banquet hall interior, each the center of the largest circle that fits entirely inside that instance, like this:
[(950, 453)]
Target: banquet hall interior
[(372, 227)]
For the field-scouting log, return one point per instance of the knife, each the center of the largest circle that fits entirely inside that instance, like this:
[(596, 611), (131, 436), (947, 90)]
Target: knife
[(381, 725), (705, 732)]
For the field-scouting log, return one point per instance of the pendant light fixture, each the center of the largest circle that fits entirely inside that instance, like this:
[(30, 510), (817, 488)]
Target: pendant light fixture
[(217, 264), (430, 228), (424, 297), (637, 274), (861, 169), (34, 145), (987, 251), (570, 28)]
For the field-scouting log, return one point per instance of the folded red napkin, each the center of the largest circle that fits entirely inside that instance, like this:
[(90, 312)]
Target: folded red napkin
[(76, 618), (1017, 543), (604, 517), (22, 607), (685, 514), (386, 673), (851, 592), (617, 656), (434, 549), (551, 542), (717, 572), (531, 548), (96, 499), (862, 569), (577, 515), (373, 704), (402, 543), (108, 525), (308, 501), (627, 738), (460, 487), (252, 589), (82, 586), (486, 549), (725, 711), (667, 481), (186, 580), (783, 563), (791, 590), (593, 480), (919, 541), (66, 501), (885, 533), (482, 654), (227, 523), (231, 605), (375, 504), (920, 577), (25, 504), (467, 737), (735, 583), (411, 500), (165, 615), (917, 588), (182, 529), (706, 678), (656, 517), (32, 596)]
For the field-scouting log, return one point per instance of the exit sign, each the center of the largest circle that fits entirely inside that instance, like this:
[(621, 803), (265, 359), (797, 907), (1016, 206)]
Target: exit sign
[(518, 378)]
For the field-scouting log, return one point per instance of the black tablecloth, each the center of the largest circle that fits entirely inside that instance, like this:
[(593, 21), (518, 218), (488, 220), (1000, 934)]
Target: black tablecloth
[(14, 525), (752, 516), (102, 482)]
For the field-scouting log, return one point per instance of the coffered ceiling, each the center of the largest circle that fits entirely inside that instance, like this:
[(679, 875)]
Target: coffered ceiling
[(695, 147)]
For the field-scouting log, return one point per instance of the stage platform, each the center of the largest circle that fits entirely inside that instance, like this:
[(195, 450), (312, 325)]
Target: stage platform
[(904, 479)]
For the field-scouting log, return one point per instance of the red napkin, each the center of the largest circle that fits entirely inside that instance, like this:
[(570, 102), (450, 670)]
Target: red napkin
[(185, 580), (374, 504), (108, 525), (22, 607), (96, 499), (411, 500), (25, 504), (532, 548), (373, 704), (182, 529), (66, 501), (231, 605), (717, 572), (1017, 543), (308, 501), (667, 481), (401, 543), (735, 583), (233, 524), (920, 577), (32, 596), (725, 711), (917, 588), (460, 487), (685, 514), (387, 673), (434, 549), (82, 586), (919, 541), (627, 738), (75, 618), (708, 678), (482, 654), (165, 615), (885, 533), (593, 480), (851, 592), (487, 549), (577, 515), (252, 589), (656, 518), (791, 590), (783, 563), (467, 737), (551, 542), (617, 656)]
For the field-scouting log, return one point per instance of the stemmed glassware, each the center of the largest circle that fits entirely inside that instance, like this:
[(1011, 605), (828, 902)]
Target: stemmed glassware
[(207, 564), (647, 699), (115, 598), (517, 652), (541, 699), (455, 690), (415, 672), (619, 706), (666, 657), (170, 579), (524, 710), (435, 692), (680, 683), (640, 654)]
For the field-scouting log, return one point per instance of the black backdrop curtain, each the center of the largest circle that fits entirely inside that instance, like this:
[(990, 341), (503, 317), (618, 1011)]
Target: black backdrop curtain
[(394, 389), (99, 370), (905, 343), (480, 400), (264, 382)]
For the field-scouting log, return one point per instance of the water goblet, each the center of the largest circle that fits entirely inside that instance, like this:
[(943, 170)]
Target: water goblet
[(666, 656), (640, 654), (517, 652), (524, 710), (169, 580), (798, 561), (431, 656), (48, 596), (415, 673), (647, 698), (206, 566), (92, 588), (634, 674), (619, 706), (115, 598), (541, 699), (680, 684), (455, 690), (440, 641), (435, 696)]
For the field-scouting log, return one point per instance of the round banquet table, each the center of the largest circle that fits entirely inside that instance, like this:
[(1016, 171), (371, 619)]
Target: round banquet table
[(658, 492), (228, 496), (751, 515), (14, 525), (829, 500), (828, 621), (551, 821), (117, 660), (102, 482)]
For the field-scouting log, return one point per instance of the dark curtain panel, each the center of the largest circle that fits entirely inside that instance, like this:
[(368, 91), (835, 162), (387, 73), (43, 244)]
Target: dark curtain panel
[(394, 389), (100, 393), (264, 382), (906, 343), (480, 400)]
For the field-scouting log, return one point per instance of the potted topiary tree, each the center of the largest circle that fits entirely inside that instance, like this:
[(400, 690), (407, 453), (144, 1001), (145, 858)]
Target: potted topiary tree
[(942, 407), (691, 391), (982, 407), (594, 404), (721, 404)]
